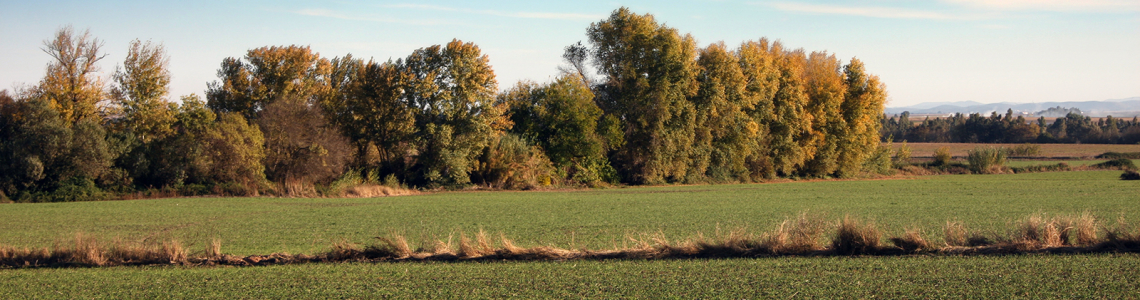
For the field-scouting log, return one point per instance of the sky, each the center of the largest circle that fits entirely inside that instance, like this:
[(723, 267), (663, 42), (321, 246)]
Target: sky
[(925, 51)]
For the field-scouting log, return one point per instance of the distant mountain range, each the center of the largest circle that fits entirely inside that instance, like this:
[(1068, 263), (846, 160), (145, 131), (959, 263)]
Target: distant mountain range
[(1128, 107)]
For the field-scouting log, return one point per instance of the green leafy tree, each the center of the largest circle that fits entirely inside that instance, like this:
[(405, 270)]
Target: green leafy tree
[(140, 90), (726, 135), (373, 113), (562, 118), (650, 72), (451, 89)]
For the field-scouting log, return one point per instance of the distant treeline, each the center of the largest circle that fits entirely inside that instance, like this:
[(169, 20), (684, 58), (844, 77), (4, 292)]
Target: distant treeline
[(286, 121), (975, 128)]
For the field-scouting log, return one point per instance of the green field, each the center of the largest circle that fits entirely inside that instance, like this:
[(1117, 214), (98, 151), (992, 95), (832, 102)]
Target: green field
[(1020, 276), (591, 218), (596, 219)]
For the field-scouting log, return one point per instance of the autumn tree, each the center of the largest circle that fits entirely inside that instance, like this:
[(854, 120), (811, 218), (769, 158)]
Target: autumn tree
[(862, 109), (825, 88), (71, 85), (265, 75), (301, 146), (650, 71), (726, 135)]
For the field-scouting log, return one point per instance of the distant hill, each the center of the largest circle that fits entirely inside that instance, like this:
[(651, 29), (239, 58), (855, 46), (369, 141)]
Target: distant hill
[(1127, 107)]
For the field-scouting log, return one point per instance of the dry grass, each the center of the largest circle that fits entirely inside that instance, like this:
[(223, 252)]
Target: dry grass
[(912, 241), (799, 236), (954, 234), (374, 190), (855, 237)]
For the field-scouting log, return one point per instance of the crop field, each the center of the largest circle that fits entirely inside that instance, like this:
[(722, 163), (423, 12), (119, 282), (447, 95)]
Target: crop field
[(1066, 151), (595, 219), (1023, 276)]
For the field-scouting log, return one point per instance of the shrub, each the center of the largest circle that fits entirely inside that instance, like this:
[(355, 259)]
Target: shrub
[(942, 156), (1024, 150), (902, 156), (986, 160), (1042, 168), (512, 163), (1130, 175), (880, 161), (1118, 155), (1119, 163)]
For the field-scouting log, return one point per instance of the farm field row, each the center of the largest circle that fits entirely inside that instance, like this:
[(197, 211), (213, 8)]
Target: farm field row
[(1017, 276)]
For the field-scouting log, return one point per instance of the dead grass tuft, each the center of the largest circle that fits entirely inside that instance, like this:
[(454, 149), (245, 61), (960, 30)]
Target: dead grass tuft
[(954, 234), (912, 241), (855, 237), (801, 235), (1086, 229)]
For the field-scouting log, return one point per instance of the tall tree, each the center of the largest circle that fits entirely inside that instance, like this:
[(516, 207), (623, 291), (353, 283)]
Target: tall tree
[(373, 113), (451, 89), (725, 134), (140, 90), (862, 109), (71, 85), (650, 72), (825, 89)]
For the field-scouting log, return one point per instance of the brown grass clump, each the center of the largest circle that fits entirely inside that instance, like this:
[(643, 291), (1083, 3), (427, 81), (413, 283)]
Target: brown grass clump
[(1121, 237), (373, 190), (1043, 231), (854, 237), (1086, 229), (214, 249), (797, 236), (911, 241), (954, 234)]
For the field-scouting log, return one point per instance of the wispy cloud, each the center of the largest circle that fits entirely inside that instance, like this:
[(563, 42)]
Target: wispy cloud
[(524, 15), (1054, 5), (338, 15), (866, 11)]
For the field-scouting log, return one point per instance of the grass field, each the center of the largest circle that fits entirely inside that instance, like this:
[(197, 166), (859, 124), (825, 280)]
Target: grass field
[(1109, 276), (596, 219), (572, 219), (1047, 150)]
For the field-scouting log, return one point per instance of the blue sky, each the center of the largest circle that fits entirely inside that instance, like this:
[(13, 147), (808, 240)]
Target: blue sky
[(925, 51)]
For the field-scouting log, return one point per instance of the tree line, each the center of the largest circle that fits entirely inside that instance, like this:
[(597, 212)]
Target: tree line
[(640, 103), (998, 128)]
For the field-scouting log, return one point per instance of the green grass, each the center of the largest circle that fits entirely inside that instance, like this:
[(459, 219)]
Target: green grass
[(1018, 276), (595, 219), (572, 219)]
